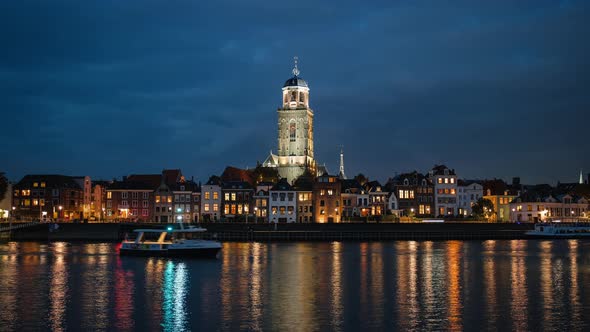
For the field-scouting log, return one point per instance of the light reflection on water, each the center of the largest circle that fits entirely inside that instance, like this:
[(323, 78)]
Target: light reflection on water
[(453, 285)]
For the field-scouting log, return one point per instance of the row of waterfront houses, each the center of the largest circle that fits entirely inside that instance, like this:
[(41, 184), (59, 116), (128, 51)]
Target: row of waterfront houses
[(259, 195)]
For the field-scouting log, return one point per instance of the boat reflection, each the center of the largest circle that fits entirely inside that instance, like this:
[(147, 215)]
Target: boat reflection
[(175, 291)]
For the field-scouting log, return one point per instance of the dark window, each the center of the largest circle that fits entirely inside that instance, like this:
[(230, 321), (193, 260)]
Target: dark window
[(292, 131)]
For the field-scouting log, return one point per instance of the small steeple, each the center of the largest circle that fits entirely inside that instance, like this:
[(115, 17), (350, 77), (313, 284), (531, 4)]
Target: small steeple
[(295, 69), (581, 177), (341, 172)]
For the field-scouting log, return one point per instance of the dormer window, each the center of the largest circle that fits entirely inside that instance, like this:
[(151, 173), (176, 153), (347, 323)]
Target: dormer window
[(406, 182)]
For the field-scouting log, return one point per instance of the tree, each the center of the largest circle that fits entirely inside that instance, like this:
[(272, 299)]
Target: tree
[(3, 185), (484, 208), (361, 178)]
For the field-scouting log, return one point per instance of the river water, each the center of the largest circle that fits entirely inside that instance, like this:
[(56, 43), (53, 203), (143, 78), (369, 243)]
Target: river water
[(349, 286)]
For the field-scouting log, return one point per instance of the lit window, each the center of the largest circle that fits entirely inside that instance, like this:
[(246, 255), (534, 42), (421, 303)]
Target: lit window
[(440, 180), (157, 199), (233, 196), (215, 207), (330, 192), (169, 199), (206, 208), (226, 209), (226, 196), (109, 194), (452, 180), (35, 184), (207, 195), (215, 195), (446, 180)]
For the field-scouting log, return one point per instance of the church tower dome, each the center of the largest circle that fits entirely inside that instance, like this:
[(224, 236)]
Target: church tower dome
[(295, 91)]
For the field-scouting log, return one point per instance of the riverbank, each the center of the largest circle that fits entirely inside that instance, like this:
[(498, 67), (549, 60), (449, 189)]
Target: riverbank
[(105, 232)]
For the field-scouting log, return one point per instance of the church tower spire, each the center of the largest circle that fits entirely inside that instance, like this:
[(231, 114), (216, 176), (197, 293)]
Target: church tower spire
[(341, 174), (581, 177)]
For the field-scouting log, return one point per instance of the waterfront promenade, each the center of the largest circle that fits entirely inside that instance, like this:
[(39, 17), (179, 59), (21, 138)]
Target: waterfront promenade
[(285, 232)]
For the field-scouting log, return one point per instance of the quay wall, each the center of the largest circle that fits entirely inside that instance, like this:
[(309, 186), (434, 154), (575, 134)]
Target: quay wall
[(111, 232)]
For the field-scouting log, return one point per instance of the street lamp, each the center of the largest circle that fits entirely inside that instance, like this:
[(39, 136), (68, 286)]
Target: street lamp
[(59, 214), (10, 224), (256, 214)]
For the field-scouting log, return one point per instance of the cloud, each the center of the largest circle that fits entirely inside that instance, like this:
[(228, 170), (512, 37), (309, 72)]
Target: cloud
[(490, 88)]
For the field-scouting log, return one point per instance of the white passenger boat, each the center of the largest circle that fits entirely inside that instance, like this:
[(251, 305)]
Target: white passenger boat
[(560, 230), (170, 243)]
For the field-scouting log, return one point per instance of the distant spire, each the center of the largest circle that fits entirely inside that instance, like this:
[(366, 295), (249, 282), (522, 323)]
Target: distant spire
[(295, 69), (341, 173), (581, 177)]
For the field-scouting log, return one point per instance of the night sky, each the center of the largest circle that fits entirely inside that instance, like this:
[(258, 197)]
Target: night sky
[(109, 88)]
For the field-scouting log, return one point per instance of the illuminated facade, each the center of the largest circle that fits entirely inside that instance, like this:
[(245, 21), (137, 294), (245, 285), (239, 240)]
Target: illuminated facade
[(468, 193), (260, 200), (46, 197), (130, 200), (501, 194), (282, 203), (6, 203), (414, 192), (530, 207), (304, 188), (327, 199), (86, 185), (295, 129), (211, 200), (236, 201), (445, 190)]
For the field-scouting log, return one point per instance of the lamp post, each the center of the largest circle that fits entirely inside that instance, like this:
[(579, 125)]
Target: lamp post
[(102, 216), (59, 213), (256, 214), (10, 224)]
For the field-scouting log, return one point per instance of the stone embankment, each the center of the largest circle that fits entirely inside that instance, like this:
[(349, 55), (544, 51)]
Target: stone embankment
[(111, 232)]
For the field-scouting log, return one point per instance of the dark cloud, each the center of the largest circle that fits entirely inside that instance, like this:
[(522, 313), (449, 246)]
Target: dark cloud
[(107, 88)]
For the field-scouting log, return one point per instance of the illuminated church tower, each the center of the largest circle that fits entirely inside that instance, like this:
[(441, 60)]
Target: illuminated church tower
[(295, 136)]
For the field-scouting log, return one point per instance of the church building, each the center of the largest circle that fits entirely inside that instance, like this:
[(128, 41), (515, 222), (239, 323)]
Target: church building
[(295, 134)]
